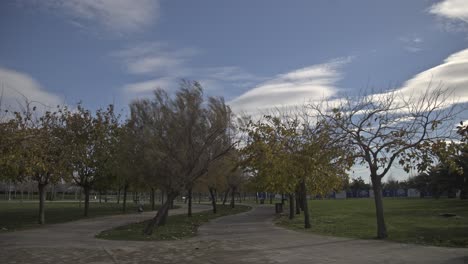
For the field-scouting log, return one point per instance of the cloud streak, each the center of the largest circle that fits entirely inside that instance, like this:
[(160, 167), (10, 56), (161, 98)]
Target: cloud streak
[(154, 58), (451, 9), (451, 74), (167, 65), (315, 82), (118, 16), (454, 14), (16, 87)]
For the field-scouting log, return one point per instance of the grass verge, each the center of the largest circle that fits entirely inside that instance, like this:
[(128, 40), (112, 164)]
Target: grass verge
[(22, 215), (415, 221), (177, 226)]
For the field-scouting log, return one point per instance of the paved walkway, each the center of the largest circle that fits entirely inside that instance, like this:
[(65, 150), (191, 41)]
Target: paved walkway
[(245, 238)]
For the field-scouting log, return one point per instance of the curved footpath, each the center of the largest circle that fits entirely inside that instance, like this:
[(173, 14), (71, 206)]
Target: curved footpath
[(244, 238)]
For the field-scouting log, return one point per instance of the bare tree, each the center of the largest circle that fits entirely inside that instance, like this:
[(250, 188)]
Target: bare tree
[(387, 127)]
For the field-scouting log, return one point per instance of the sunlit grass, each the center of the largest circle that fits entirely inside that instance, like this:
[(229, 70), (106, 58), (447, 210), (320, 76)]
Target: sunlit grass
[(408, 220)]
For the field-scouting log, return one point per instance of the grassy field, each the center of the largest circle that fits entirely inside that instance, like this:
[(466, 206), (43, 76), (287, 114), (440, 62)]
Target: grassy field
[(408, 220), (177, 227), (17, 215)]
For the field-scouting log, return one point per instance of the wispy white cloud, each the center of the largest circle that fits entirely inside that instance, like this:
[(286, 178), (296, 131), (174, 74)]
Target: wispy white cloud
[(167, 65), (412, 44), (451, 74), (155, 58), (150, 85), (16, 87), (119, 16), (453, 12), (452, 9), (315, 82)]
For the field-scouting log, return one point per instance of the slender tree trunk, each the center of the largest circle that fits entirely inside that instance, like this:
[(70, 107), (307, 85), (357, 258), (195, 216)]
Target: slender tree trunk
[(282, 199), (377, 187), (86, 204), (124, 200), (256, 197), (79, 202), (298, 203), (225, 196), (305, 205), (118, 195), (162, 197), (160, 215), (153, 199), (189, 198), (9, 191), (199, 198), (213, 199), (271, 198), (464, 187), (233, 197), (41, 189), (100, 197), (291, 206)]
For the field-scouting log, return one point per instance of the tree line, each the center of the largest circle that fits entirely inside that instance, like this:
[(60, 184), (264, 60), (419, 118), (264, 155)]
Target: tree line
[(183, 141)]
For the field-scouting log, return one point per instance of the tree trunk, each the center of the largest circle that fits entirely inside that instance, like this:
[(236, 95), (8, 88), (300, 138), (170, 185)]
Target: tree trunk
[(160, 215), (118, 195), (199, 198), (124, 200), (189, 212), (233, 197), (298, 203), (86, 204), (377, 187), (79, 202), (291, 206), (153, 199), (225, 196), (41, 188), (464, 187), (213, 199), (9, 191), (305, 205), (271, 198)]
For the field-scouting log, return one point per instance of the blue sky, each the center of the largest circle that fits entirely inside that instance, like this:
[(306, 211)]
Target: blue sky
[(257, 54)]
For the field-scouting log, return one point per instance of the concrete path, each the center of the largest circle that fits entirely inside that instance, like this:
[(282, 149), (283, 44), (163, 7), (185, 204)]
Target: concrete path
[(245, 238)]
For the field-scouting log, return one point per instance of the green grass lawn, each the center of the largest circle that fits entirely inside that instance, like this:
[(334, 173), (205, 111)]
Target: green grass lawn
[(21, 215), (177, 226), (408, 220)]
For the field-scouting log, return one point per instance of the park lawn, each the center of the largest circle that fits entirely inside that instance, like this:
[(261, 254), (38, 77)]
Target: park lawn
[(177, 226), (408, 220), (22, 215)]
